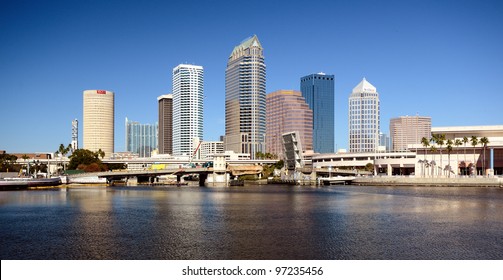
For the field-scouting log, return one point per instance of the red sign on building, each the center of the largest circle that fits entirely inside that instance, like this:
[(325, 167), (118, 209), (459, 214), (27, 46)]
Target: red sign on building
[(100, 91)]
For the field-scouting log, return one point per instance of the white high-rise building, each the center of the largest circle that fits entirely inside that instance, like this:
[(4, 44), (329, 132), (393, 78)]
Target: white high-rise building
[(364, 118), (187, 107), (99, 121)]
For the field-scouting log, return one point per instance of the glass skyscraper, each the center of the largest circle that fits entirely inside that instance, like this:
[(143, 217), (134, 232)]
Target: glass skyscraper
[(364, 118), (318, 91), (187, 107), (245, 99), (141, 138)]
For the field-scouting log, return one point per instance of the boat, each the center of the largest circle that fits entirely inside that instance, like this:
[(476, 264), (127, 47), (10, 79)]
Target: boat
[(25, 183)]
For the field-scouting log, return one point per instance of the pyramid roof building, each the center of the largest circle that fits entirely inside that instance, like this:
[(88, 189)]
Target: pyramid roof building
[(364, 87), (245, 44)]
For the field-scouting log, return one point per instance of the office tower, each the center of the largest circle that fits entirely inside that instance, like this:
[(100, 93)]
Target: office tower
[(187, 107), (99, 121), (245, 106), (318, 91), (287, 111), (75, 135), (408, 130), (165, 136), (384, 142), (364, 118), (141, 138)]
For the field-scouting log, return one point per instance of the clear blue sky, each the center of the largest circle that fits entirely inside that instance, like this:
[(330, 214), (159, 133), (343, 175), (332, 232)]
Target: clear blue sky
[(442, 59)]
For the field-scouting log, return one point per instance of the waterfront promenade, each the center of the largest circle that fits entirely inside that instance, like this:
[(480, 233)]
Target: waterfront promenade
[(434, 182)]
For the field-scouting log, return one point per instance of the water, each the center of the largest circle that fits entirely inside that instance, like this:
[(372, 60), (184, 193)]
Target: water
[(258, 222)]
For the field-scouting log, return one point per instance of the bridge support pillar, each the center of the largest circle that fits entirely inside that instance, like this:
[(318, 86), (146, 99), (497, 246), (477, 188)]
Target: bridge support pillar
[(202, 179)]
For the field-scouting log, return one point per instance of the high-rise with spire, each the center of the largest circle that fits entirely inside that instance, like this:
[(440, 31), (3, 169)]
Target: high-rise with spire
[(245, 98), (364, 118)]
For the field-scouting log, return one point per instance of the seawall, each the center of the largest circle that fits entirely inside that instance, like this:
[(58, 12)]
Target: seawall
[(437, 182)]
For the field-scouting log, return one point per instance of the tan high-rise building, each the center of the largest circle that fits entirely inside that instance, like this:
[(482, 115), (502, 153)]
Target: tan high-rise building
[(287, 111), (165, 124), (408, 130), (245, 107), (99, 121)]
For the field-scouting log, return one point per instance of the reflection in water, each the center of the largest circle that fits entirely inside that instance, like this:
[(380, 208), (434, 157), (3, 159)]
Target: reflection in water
[(261, 222)]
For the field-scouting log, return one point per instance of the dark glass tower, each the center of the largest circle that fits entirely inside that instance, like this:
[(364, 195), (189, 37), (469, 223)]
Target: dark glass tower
[(318, 91)]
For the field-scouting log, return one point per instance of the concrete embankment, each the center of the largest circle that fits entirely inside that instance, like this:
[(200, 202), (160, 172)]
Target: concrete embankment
[(436, 182)]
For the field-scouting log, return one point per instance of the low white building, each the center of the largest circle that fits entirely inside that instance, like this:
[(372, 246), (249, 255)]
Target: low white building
[(434, 160)]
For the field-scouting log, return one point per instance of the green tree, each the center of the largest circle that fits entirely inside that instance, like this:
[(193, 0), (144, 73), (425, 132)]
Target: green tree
[(457, 143), (433, 163), (82, 158), (440, 140), (7, 162), (484, 141), (465, 140), (474, 141), (279, 164), (449, 144), (426, 143), (101, 153)]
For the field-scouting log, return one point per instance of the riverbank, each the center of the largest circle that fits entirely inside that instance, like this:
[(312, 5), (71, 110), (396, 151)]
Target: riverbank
[(428, 182)]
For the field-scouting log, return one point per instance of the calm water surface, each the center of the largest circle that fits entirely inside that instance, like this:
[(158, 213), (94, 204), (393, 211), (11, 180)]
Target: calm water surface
[(257, 222)]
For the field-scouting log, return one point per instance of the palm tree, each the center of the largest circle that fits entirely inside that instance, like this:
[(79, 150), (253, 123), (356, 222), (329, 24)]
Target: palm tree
[(465, 140), (101, 153), (433, 164), (426, 144), (474, 141), (457, 143), (449, 150), (440, 141), (484, 141)]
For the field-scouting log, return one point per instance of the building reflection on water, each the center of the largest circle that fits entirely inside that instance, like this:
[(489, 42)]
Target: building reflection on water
[(260, 222)]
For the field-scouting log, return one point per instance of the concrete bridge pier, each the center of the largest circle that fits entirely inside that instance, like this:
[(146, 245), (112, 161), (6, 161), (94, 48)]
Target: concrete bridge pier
[(202, 179)]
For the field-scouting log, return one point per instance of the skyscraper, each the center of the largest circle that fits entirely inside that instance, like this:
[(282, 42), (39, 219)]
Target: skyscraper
[(318, 91), (364, 118), (141, 138), (187, 107), (165, 136), (245, 101), (99, 121), (408, 130), (287, 111)]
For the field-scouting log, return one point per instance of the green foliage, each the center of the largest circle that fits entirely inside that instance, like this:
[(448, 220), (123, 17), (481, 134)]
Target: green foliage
[(247, 177), (369, 167), (260, 155), (116, 166), (7, 162), (83, 159)]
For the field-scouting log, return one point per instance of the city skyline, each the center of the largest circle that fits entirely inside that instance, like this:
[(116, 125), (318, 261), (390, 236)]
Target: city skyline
[(423, 56)]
